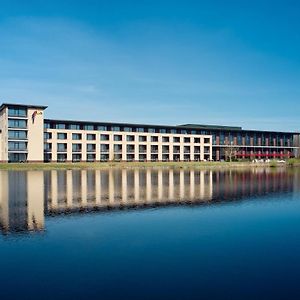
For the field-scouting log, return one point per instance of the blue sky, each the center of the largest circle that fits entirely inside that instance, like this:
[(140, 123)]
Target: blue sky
[(166, 62)]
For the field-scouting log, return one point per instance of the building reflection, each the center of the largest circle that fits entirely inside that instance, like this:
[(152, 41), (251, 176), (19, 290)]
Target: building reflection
[(27, 197)]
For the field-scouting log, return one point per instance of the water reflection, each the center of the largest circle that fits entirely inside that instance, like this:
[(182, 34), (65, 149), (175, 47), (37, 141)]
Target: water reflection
[(27, 197)]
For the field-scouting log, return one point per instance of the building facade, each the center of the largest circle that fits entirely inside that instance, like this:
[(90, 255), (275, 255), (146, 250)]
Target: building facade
[(25, 135)]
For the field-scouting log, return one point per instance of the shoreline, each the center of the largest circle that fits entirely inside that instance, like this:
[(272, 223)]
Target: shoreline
[(129, 165)]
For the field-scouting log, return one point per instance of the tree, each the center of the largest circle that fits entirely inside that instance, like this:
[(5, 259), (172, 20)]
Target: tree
[(231, 151)]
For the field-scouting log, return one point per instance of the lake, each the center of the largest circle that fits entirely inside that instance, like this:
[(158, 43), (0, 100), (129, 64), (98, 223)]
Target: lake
[(150, 234)]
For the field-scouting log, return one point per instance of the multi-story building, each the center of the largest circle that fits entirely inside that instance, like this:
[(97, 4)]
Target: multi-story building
[(25, 135)]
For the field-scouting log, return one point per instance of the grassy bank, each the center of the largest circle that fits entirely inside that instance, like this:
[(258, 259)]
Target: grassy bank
[(107, 165)]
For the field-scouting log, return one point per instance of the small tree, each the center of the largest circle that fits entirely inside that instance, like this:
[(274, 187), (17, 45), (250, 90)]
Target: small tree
[(231, 151)]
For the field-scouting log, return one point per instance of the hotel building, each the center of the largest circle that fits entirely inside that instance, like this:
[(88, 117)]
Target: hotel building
[(25, 135)]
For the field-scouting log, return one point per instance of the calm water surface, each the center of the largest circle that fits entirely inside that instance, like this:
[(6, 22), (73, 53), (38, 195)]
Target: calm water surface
[(150, 234)]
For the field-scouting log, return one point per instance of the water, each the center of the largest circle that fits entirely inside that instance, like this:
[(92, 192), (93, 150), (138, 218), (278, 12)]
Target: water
[(150, 234)]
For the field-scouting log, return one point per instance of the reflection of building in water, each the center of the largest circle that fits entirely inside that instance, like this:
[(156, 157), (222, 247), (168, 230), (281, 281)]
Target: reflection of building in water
[(26, 196), (21, 201), (105, 189)]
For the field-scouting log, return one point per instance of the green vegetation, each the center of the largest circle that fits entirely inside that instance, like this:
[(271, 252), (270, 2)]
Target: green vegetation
[(106, 165)]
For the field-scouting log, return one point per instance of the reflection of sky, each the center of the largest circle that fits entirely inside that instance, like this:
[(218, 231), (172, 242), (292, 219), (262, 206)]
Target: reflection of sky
[(164, 62), (248, 250)]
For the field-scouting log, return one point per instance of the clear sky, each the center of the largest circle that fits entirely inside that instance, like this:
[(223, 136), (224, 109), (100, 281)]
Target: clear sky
[(166, 62)]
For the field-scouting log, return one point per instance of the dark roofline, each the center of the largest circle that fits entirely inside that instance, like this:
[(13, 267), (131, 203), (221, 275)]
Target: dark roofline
[(3, 105), (187, 126)]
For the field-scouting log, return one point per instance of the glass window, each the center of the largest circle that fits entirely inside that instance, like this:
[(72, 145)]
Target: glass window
[(88, 127), (117, 137), (165, 139), (61, 147), (162, 130), (47, 135), (117, 148), (154, 139), (127, 129), (187, 140), (47, 125), (142, 138), (76, 136), (17, 146), (115, 128), (130, 148), (76, 147), (17, 134), (142, 148), (91, 137), (206, 140), (74, 126), (60, 126), (17, 123), (102, 128), (140, 129), (197, 140), (104, 137), (91, 157), (61, 136), (61, 157), (91, 147), (104, 148), (152, 130), (130, 138), (17, 112), (176, 139), (173, 131), (47, 147)]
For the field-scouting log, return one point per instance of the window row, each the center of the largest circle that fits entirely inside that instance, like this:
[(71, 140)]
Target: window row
[(128, 138), (117, 148), (77, 157)]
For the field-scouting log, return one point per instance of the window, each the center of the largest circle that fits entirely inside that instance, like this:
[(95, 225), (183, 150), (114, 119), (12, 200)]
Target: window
[(117, 148), (142, 138), (127, 129), (117, 138), (130, 138), (173, 131), (142, 148), (91, 137), (102, 128), (183, 131), (17, 123), (151, 130), (187, 140), (17, 112), (76, 147), (140, 129), (176, 149), (130, 148), (187, 149), (61, 157), (197, 140), (47, 125), (206, 140), (90, 147), (47, 147), (61, 136), (91, 157), (104, 148), (165, 149), (76, 136), (176, 139), (21, 146), (60, 126), (115, 128), (76, 157), (74, 126), (154, 139), (88, 127), (104, 137), (162, 130), (47, 135), (206, 149), (154, 149), (17, 134), (165, 139), (197, 149), (61, 147)]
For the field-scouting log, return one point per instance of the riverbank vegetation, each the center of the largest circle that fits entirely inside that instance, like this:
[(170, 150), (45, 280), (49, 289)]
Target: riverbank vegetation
[(106, 165)]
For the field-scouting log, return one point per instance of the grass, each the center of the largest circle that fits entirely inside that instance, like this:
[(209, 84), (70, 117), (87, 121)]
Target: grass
[(122, 165)]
